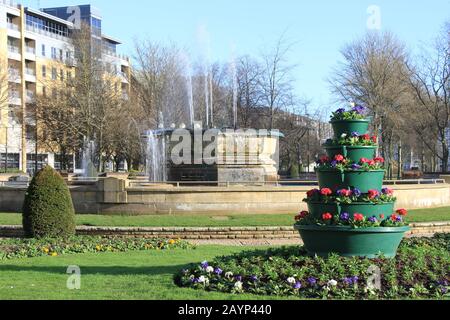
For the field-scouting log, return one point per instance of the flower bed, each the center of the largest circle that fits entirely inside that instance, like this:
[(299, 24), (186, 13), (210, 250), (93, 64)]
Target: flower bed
[(420, 270), (30, 248)]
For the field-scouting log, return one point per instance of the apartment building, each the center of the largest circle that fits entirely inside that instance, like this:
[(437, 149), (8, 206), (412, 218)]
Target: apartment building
[(35, 46)]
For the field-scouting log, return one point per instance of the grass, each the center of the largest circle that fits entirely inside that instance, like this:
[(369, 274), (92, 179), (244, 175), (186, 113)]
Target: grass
[(425, 215), (119, 276)]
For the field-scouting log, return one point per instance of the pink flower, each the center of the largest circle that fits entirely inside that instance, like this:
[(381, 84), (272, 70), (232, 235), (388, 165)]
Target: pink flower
[(373, 194), (358, 217), (326, 192), (327, 216)]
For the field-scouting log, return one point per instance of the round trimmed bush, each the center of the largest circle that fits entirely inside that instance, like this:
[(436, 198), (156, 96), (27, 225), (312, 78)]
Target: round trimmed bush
[(48, 209)]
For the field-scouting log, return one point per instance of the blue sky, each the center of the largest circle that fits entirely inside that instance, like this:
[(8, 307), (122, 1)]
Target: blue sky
[(319, 28)]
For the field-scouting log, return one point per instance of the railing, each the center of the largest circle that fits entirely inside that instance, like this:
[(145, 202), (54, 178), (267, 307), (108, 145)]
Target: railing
[(14, 73), (13, 49), (36, 29), (31, 50), (178, 184), (13, 26), (30, 96), (30, 72), (14, 94), (10, 3)]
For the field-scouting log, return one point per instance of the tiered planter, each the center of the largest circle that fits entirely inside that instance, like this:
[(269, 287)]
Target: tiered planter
[(354, 153), (349, 126), (326, 239), (316, 209), (348, 242), (363, 180)]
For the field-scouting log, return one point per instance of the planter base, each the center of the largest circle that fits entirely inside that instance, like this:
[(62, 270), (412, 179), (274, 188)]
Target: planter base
[(347, 242)]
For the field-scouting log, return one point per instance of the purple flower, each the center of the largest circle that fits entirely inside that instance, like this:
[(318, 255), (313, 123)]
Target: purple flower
[(359, 109), (355, 134), (357, 192), (298, 285), (385, 191), (334, 163), (356, 166), (399, 219), (204, 264), (218, 271), (238, 278), (345, 216), (312, 281), (194, 280), (355, 279), (373, 220), (342, 110), (254, 278), (348, 281)]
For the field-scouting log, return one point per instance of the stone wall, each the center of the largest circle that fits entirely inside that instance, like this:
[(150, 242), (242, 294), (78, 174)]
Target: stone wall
[(226, 233), (114, 196)]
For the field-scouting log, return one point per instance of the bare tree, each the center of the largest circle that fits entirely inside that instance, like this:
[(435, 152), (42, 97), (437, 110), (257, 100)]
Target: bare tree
[(276, 82), (429, 81)]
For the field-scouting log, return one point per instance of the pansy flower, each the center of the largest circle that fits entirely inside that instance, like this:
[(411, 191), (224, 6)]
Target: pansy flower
[(327, 216)]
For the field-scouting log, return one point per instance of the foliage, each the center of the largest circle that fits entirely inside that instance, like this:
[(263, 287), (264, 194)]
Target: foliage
[(358, 220), (48, 209), (348, 196), (354, 140), (342, 164), (29, 248), (420, 271), (357, 112)]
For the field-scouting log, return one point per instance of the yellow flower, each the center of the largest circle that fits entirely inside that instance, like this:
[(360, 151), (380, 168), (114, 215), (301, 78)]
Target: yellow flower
[(98, 248), (45, 250), (171, 242), (54, 254)]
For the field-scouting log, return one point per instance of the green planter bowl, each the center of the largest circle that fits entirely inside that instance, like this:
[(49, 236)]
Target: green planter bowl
[(317, 209), (352, 153), (362, 180), (347, 242), (349, 126)]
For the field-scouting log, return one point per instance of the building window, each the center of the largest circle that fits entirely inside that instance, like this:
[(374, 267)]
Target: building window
[(61, 74), (53, 53), (61, 55), (44, 92), (43, 50), (44, 72), (69, 75), (54, 74)]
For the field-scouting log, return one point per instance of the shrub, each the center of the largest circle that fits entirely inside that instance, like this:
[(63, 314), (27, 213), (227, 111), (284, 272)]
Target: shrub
[(48, 209)]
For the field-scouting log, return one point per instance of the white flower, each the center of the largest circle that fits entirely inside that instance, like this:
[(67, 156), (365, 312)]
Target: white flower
[(229, 274), (291, 280), (203, 279), (238, 285), (210, 269), (332, 283), (352, 105), (344, 135)]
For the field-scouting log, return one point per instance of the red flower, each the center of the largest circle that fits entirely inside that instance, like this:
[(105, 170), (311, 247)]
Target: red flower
[(312, 193), (324, 159), (301, 215), (345, 193), (402, 212), (327, 216), (364, 160), (358, 217), (375, 139), (394, 218), (373, 194), (339, 158), (365, 137), (326, 192), (372, 163), (382, 216), (379, 159)]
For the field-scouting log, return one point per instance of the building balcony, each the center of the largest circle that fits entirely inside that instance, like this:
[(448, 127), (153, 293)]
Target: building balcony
[(14, 98), (13, 49), (125, 96), (12, 26), (14, 75), (30, 96), (30, 75)]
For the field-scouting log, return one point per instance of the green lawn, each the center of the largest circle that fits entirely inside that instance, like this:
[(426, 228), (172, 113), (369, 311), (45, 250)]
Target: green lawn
[(133, 275), (426, 215)]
